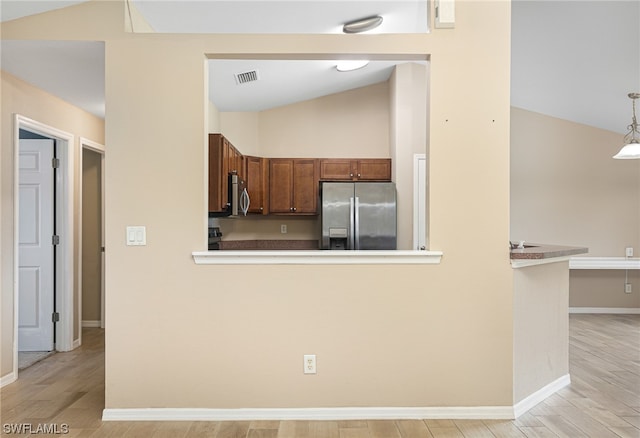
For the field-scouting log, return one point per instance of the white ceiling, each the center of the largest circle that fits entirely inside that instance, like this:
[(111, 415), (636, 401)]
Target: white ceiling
[(284, 16), (71, 70), (12, 9), (282, 82), (575, 60)]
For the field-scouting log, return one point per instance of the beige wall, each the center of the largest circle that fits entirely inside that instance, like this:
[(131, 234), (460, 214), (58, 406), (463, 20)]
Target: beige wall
[(540, 327), (18, 97), (353, 123), (423, 338), (213, 116), (566, 189), (604, 288), (91, 235), (243, 131)]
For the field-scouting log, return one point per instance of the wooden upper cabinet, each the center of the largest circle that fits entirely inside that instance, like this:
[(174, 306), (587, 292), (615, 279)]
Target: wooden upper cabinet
[(257, 179), (223, 159), (372, 169), (336, 170), (282, 185), (218, 169), (293, 186)]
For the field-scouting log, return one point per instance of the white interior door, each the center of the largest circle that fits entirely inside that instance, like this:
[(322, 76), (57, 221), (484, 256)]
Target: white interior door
[(36, 251)]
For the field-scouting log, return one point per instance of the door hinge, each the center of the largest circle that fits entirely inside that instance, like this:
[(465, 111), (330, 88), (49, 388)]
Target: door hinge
[(55, 163), (55, 240), (55, 317)]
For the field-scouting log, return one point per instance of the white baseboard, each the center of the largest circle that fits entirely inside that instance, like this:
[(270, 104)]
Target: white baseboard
[(616, 310), (92, 324), (528, 402), (335, 414), (9, 378)]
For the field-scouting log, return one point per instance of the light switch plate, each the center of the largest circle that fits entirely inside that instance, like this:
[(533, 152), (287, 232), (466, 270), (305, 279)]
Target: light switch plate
[(136, 236)]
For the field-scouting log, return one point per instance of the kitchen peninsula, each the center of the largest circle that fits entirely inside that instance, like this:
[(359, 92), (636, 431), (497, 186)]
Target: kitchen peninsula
[(540, 321)]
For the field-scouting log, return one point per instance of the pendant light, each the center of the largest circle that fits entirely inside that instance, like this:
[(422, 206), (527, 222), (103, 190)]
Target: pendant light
[(631, 148)]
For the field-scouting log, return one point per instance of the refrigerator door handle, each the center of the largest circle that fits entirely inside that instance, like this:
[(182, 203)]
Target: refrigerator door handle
[(357, 222), (245, 201), (351, 223)]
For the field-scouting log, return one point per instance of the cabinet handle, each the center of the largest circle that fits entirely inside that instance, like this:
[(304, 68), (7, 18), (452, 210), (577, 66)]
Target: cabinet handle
[(351, 174), (261, 208), (294, 209), (359, 175)]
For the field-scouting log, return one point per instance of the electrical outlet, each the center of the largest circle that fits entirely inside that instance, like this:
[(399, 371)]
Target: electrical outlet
[(628, 251), (627, 288), (309, 363), (283, 228)]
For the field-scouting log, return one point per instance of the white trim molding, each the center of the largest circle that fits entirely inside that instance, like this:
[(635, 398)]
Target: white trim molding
[(320, 414), (604, 263), (65, 218), (316, 257), (528, 402), (606, 310), (9, 378)]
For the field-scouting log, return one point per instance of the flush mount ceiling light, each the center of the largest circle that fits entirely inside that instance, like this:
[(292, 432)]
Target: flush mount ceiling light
[(351, 65), (362, 25), (631, 148)]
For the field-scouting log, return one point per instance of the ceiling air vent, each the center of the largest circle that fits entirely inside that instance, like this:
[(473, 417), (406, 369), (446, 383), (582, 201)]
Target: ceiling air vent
[(247, 76)]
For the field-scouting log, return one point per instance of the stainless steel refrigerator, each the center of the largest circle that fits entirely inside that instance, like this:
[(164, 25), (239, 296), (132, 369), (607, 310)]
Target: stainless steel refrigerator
[(358, 215)]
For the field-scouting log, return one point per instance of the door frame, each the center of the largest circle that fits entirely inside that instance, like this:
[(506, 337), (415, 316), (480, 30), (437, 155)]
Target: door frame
[(64, 219), (98, 148), (416, 202)]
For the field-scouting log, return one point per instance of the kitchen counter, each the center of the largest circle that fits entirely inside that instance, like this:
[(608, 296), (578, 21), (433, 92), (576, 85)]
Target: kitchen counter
[(536, 253), (268, 245)]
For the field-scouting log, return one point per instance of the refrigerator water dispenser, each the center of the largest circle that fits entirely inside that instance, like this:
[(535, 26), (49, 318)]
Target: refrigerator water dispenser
[(338, 238)]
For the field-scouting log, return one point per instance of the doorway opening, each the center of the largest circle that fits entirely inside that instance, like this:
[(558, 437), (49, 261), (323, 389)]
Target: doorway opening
[(34, 283), (92, 264)]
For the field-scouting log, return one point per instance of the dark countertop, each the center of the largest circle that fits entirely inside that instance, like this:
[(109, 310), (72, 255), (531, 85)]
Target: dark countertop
[(268, 245), (535, 251)]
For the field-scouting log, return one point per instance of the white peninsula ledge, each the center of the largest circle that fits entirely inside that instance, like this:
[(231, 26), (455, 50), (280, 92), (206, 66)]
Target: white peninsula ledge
[(604, 263), (317, 257)]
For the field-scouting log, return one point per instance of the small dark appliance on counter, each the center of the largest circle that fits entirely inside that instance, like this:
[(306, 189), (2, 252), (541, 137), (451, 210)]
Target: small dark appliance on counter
[(214, 238)]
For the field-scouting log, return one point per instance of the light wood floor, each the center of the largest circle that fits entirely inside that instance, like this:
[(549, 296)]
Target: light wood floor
[(602, 401)]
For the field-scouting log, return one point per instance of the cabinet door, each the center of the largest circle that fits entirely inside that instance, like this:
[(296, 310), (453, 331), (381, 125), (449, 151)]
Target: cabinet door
[(280, 185), (374, 170), (336, 169), (235, 161), (257, 184), (215, 172), (305, 186), (224, 177)]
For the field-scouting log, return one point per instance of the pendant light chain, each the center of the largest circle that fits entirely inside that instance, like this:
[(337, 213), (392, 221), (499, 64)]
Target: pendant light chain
[(633, 127)]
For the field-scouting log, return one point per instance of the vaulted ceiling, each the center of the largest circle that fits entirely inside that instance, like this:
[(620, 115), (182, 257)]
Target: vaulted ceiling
[(575, 60)]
